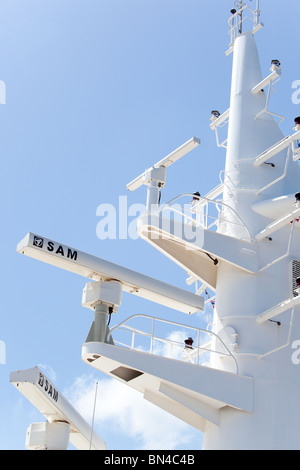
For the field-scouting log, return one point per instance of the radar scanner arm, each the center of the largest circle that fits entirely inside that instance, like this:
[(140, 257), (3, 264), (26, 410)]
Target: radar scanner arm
[(64, 424), (155, 177)]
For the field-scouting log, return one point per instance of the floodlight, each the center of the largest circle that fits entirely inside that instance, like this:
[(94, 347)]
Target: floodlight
[(275, 62)]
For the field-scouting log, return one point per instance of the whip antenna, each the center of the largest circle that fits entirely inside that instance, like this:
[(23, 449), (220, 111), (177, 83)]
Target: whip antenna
[(93, 420)]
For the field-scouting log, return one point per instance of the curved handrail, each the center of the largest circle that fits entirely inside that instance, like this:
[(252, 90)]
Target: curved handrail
[(198, 348), (168, 205)]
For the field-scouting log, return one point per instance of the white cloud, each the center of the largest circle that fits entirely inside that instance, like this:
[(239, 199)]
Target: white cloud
[(125, 411)]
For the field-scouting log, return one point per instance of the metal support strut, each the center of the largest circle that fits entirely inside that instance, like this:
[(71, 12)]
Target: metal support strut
[(104, 297)]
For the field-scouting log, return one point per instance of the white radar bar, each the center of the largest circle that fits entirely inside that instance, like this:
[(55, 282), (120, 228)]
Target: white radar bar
[(97, 269), (166, 161), (38, 389)]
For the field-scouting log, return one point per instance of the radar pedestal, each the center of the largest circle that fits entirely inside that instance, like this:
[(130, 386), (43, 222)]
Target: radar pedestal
[(155, 177), (48, 436), (104, 297)]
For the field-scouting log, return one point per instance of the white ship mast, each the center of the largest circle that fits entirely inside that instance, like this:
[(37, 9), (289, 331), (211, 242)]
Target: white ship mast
[(241, 241)]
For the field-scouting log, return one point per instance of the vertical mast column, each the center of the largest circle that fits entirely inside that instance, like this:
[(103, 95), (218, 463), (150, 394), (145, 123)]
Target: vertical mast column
[(241, 296)]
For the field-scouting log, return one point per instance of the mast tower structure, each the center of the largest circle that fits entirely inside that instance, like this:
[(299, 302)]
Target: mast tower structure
[(254, 252), (247, 395), (263, 194)]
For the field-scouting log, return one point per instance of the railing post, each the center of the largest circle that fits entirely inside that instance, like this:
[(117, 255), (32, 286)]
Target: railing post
[(152, 334), (176, 344), (198, 346), (132, 339)]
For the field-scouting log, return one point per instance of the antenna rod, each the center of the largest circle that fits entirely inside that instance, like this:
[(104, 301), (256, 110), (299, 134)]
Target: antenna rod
[(239, 4), (93, 420), (257, 13), (240, 21)]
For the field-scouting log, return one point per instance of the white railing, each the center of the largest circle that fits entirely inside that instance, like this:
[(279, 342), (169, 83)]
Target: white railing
[(166, 338), (219, 122), (245, 18), (206, 213)]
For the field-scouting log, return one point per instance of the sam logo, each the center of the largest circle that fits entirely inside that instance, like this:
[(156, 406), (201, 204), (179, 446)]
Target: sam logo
[(62, 250), (57, 249), (48, 387), (38, 241)]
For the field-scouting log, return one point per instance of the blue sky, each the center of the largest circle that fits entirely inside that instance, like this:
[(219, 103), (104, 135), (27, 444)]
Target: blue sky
[(97, 91)]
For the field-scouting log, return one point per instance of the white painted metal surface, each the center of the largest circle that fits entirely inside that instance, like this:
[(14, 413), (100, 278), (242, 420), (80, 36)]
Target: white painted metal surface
[(255, 405), (170, 345), (195, 394), (48, 436), (165, 162), (274, 75), (240, 298), (276, 148), (39, 390), (89, 266), (246, 301)]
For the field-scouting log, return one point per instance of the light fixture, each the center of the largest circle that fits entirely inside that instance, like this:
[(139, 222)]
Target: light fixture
[(276, 63), (215, 114)]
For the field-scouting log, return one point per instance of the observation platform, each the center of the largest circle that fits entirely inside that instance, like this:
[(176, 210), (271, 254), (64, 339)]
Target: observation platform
[(170, 375)]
